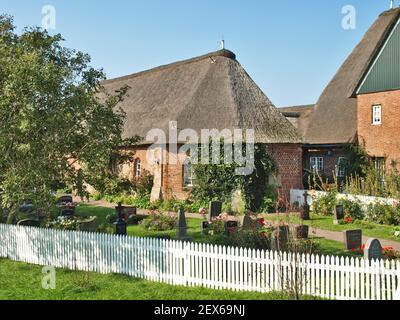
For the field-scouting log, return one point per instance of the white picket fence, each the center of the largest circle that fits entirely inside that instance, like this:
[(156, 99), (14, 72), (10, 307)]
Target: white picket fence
[(194, 264)]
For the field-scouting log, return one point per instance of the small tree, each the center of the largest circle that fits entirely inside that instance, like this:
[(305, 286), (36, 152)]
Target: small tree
[(55, 116)]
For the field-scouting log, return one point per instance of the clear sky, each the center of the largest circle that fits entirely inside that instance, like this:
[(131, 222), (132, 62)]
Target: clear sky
[(290, 48)]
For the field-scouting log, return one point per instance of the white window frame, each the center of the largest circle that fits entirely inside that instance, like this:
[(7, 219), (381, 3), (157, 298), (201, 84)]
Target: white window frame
[(341, 171), (138, 168), (376, 114), (317, 164)]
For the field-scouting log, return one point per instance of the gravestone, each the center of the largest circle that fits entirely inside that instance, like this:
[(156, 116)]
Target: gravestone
[(215, 209), (373, 250), (247, 222), (338, 214), (305, 210), (205, 225), (181, 232), (230, 226), (120, 224), (352, 239)]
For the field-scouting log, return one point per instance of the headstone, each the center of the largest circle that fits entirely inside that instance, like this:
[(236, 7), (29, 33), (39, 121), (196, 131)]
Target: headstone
[(129, 210), (353, 239), (230, 226), (247, 222), (120, 224), (373, 250), (338, 214), (215, 209), (305, 210), (181, 232), (301, 232), (205, 225)]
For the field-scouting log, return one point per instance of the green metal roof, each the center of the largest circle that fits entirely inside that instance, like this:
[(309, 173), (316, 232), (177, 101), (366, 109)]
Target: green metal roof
[(384, 75)]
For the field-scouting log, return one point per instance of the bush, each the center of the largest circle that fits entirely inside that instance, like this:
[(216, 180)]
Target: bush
[(135, 219), (143, 184), (63, 223), (325, 205), (159, 222), (353, 209), (112, 217), (383, 214)]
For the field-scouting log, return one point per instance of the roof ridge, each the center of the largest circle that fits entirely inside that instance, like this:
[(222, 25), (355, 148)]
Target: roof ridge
[(220, 53)]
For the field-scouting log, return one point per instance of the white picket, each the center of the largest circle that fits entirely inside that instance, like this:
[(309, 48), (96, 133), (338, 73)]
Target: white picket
[(194, 264)]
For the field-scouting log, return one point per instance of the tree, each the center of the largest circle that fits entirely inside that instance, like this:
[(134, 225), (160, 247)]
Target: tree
[(58, 123)]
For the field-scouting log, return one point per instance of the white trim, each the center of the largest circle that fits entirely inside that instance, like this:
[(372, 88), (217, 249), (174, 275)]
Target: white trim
[(377, 58)]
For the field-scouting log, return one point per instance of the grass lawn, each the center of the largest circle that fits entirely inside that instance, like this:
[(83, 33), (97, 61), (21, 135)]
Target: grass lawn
[(326, 223), (19, 281), (327, 247)]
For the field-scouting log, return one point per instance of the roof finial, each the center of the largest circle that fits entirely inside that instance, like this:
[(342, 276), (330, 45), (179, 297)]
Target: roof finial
[(222, 44)]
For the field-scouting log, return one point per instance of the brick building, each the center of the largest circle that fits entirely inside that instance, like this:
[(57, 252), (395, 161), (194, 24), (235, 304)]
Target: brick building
[(211, 92), (361, 104)]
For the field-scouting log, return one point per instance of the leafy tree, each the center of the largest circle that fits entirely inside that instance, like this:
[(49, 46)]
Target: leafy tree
[(58, 123), (219, 181), (356, 160)]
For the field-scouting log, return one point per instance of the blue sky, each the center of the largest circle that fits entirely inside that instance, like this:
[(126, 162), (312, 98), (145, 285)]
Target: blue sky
[(290, 48)]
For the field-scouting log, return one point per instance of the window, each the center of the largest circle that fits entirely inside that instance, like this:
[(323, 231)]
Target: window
[(377, 115), (341, 167), (187, 174), (317, 164), (138, 168)]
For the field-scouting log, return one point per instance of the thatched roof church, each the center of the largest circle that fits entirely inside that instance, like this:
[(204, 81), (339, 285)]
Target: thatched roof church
[(212, 91)]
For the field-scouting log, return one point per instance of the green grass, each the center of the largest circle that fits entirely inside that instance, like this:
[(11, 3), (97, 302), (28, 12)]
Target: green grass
[(326, 223), (19, 281), (101, 213)]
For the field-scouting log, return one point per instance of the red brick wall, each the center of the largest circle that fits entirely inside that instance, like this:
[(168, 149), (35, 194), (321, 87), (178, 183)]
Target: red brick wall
[(288, 158), (380, 140), (173, 180)]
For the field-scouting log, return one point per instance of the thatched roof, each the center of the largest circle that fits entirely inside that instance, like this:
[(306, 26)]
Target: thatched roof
[(334, 119), (299, 116), (208, 92)]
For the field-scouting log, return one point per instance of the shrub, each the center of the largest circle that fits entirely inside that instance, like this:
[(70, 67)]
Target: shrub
[(325, 205), (63, 223), (112, 217), (143, 184), (159, 222), (353, 209), (135, 219), (251, 239), (105, 228), (383, 214)]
